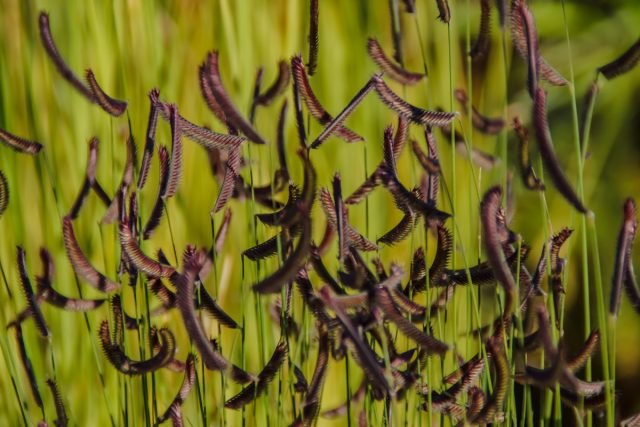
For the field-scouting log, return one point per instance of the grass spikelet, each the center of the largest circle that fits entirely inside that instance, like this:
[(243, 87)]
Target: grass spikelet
[(49, 45), (231, 112), (115, 107), (81, 264), (4, 193), (622, 64), (388, 67), (410, 112), (20, 145), (547, 152)]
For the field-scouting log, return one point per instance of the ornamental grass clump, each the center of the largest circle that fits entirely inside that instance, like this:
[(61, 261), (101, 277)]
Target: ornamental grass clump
[(399, 228)]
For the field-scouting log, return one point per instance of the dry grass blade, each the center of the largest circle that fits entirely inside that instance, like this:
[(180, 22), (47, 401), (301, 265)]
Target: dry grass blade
[(116, 356), (529, 178), (47, 41), (26, 363), (115, 107), (548, 154), (622, 64), (20, 144), (623, 255), (480, 47), (32, 302), (150, 138), (316, 109), (158, 208), (335, 125), (62, 419), (252, 391), (140, 260), (408, 111), (231, 112), (314, 12), (187, 384), (185, 295), (519, 38), (80, 263), (388, 67), (89, 178)]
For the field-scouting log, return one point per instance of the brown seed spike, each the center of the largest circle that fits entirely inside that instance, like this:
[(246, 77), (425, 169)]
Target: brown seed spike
[(20, 144), (115, 107), (150, 138), (175, 168), (443, 9), (622, 64), (529, 178), (158, 208), (80, 263), (52, 51), (335, 125), (408, 111), (4, 193), (289, 269), (480, 47), (32, 302), (278, 87), (388, 67), (253, 390), (185, 294), (519, 37), (89, 178), (548, 154), (187, 384), (141, 261), (313, 36), (316, 109), (26, 363), (231, 112), (61, 412), (493, 245), (623, 254)]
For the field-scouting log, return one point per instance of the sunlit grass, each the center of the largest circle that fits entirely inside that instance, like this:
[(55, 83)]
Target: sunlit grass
[(135, 46)]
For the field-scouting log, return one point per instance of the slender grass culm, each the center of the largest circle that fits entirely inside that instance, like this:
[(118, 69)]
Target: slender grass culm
[(481, 272)]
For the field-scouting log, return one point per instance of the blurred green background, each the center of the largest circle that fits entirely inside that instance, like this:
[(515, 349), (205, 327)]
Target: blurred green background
[(133, 46)]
